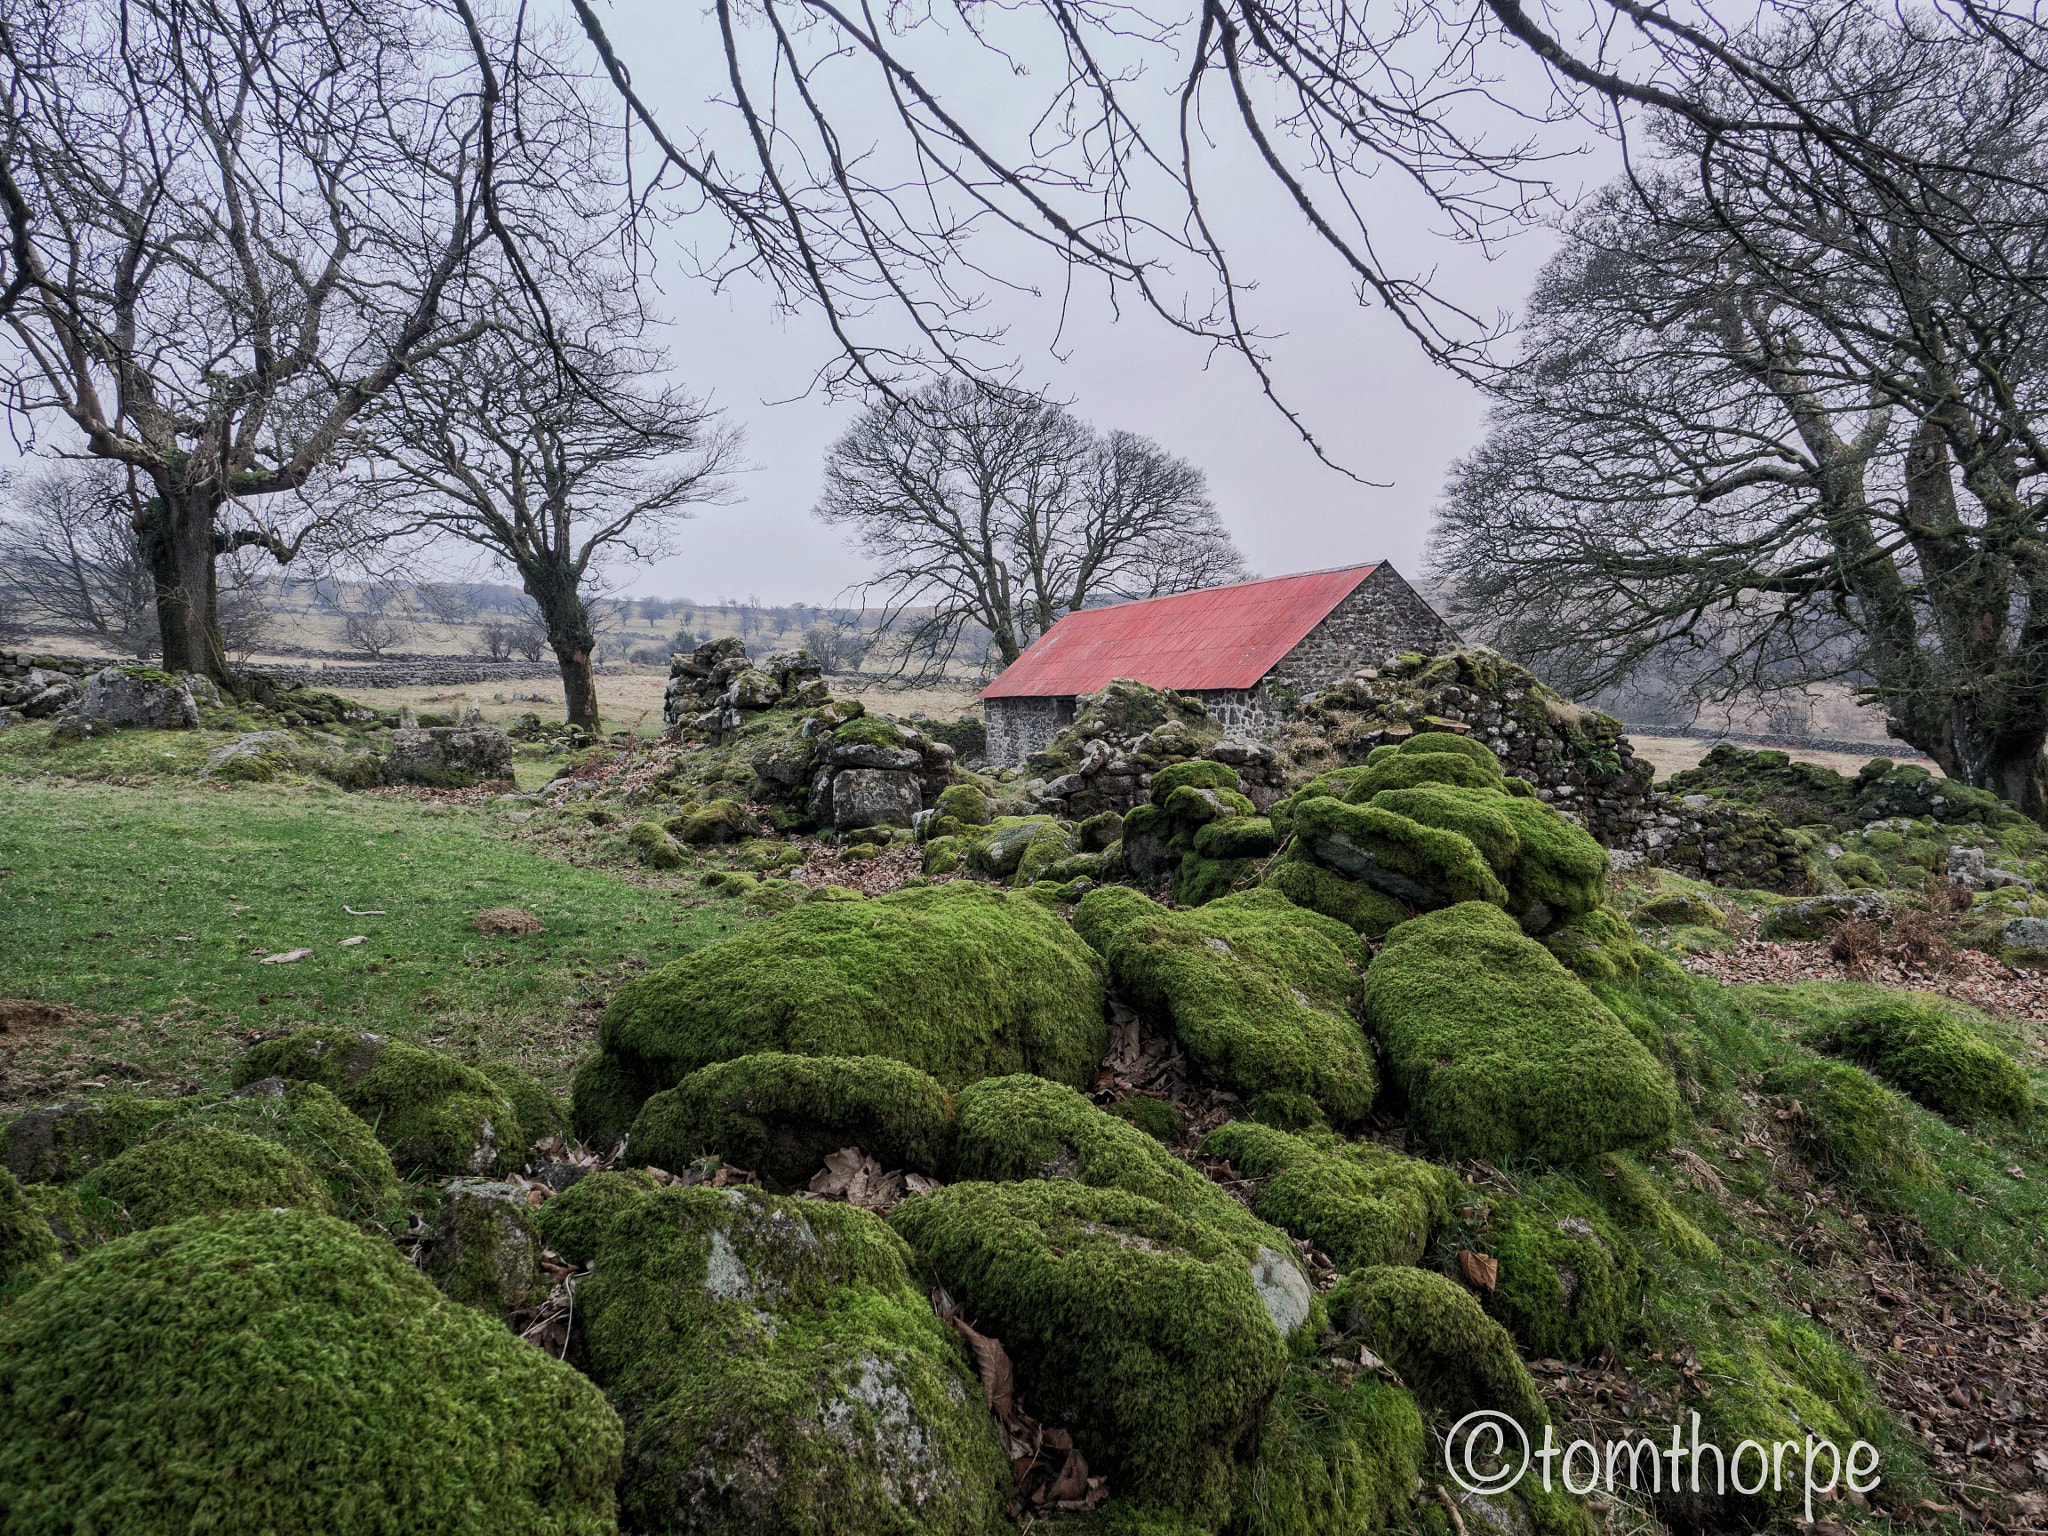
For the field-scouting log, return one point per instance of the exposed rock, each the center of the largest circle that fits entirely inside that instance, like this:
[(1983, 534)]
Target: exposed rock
[(140, 696), (1969, 867), (449, 755), (37, 693), (874, 797), (484, 1250), (1819, 916), (253, 758)]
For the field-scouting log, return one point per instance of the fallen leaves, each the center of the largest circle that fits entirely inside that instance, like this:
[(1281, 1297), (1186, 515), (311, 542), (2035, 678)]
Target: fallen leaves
[(1047, 1470), (1968, 975), (1481, 1270), (857, 1179)]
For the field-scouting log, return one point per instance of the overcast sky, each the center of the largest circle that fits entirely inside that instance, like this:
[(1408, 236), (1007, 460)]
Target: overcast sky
[(1356, 376)]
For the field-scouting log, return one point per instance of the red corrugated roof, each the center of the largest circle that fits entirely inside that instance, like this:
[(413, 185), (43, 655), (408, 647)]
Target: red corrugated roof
[(1219, 637)]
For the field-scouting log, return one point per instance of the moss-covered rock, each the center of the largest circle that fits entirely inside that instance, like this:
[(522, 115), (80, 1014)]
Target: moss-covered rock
[(1421, 866), (957, 980), (1307, 884), (721, 821), (1566, 1277), (1919, 1047), (1257, 989), (1141, 1331), (1560, 869), (779, 1372), (653, 846), (573, 1223), (1023, 1127), (1361, 1203), (1502, 1052), (604, 1098), (484, 1250), (1853, 1127), (1596, 946), (62, 1141), (200, 1169), (964, 803), (310, 1122), (1199, 880), (1333, 1458), (28, 1248), (539, 1115), (1445, 1347), (778, 1115), (278, 1371), (1157, 1118), (436, 1115)]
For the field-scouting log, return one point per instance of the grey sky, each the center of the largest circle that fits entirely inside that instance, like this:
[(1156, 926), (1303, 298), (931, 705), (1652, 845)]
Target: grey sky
[(1358, 379)]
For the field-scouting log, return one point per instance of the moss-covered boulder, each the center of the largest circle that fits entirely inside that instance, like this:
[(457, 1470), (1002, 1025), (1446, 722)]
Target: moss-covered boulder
[(1336, 1456), (203, 1170), (62, 1141), (279, 1371), (958, 980), (539, 1115), (1445, 1347), (721, 821), (1502, 1052), (1566, 1277), (778, 1116), (1258, 990), (1141, 1331), (310, 1122), (1416, 864), (574, 1222), (28, 1248), (437, 1115), (1597, 947), (1920, 1047), (777, 1368), (483, 1250), (1360, 1202), (604, 1099), (1023, 1127), (1306, 883), (964, 804), (653, 846)]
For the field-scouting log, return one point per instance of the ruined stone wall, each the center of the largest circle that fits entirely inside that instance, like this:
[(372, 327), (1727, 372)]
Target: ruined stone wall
[(1019, 727), (1382, 617)]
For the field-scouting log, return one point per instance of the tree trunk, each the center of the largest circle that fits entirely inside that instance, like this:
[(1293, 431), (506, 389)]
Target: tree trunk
[(179, 545), (571, 638)]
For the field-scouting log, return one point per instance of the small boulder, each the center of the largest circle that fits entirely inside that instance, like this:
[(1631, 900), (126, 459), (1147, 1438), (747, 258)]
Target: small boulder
[(203, 1170), (255, 757), (449, 756), (484, 1251), (1818, 916), (140, 696), (721, 821), (872, 797)]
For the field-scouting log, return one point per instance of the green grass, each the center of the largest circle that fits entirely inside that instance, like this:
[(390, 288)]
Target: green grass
[(152, 907)]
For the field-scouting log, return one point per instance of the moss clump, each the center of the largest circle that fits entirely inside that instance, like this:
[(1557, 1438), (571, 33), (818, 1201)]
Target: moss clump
[(1359, 1202), (63, 1141), (779, 1372), (942, 856), (1198, 773), (1334, 1458), (722, 821), (1419, 865), (958, 980), (279, 1371), (1141, 1331), (964, 803), (1155, 1117), (1560, 868), (1449, 1352), (195, 1170), (1566, 1276), (652, 846), (1937, 1059), (573, 1223), (1503, 1054), (1474, 814), (1022, 1127), (604, 1098), (1257, 989), (779, 1115), (1236, 837), (28, 1248), (775, 895), (539, 1115), (1633, 1199), (1197, 880), (436, 1115), (1404, 769), (310, 1122), (1358, 906), (1597, 947), (1854, 1127)]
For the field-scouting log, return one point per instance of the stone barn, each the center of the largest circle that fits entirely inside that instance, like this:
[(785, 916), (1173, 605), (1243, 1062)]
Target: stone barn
[(1247, 650)]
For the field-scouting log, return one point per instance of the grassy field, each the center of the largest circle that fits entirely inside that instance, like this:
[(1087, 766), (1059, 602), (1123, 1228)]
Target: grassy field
[(151, 909)]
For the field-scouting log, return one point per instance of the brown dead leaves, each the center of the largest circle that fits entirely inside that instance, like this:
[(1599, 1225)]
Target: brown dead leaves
[(858, 1179), (1968, 975), (1047, 1471), (1481, 1270)]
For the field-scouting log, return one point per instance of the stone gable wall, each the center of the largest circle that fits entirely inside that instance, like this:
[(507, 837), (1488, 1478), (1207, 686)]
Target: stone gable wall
[(1382, 616), (1019, 727)]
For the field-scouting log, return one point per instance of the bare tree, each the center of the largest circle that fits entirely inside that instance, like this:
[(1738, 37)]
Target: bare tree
[(553, 470), (497, 639), (233, 226), (1770, 431), (838, 648), (372, 632), (993, 511), (69, 562)]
